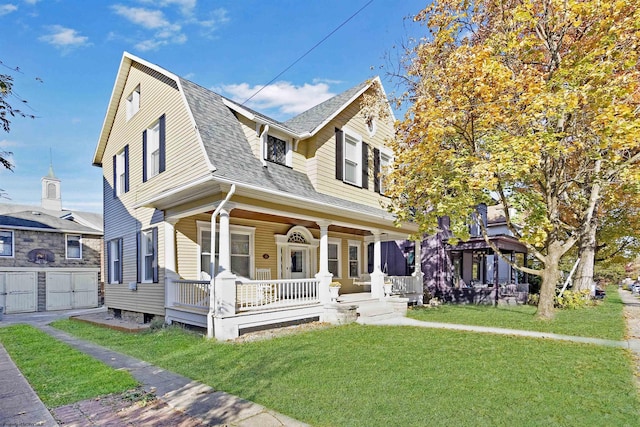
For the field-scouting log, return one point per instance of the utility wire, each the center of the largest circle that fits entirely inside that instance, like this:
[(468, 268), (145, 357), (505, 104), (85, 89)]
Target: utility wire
[(309, 51)]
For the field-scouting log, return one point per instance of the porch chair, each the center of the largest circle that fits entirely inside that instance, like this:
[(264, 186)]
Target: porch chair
[(263, 274), (267, 291)]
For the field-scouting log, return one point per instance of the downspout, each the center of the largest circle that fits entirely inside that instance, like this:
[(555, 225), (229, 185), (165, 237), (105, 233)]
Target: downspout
[(212, 265), (262, 145)]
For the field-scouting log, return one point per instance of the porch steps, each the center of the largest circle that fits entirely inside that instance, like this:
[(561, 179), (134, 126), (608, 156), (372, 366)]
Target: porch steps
[(370, 310)]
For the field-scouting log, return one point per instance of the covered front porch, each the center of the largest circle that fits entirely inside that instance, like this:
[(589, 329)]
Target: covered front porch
[(474, 273), (272, 267)]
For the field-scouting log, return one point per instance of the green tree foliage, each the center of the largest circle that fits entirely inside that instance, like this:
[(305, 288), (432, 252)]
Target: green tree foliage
[(532, 102)]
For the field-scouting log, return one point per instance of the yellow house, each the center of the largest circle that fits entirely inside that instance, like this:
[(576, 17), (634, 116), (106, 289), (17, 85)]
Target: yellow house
[(195, 183)]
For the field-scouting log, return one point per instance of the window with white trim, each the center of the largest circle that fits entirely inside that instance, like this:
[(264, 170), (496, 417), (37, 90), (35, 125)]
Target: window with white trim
[(241, 247), (385, 164), (153, 150), (148, 256), (354, 258), (114, 261), (277, 150), (120, 172), (6, 243), (133, 102), (352, 158), (334, 257), (74, 246)]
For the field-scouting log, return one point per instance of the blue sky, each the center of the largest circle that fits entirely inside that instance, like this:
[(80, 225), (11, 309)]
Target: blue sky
[(68, 53)]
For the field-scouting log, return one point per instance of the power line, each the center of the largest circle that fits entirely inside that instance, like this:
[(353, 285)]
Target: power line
[(309, 51)]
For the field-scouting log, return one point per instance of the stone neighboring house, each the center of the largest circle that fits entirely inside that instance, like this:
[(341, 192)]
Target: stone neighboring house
[(221, 217), (50, 257)]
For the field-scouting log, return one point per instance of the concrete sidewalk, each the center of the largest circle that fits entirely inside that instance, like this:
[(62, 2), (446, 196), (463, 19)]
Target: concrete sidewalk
[(195, 399)]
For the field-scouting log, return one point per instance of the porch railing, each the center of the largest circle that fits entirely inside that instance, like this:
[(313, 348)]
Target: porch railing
[(251, 295), (405, 284), (192, 294), (255, 295)]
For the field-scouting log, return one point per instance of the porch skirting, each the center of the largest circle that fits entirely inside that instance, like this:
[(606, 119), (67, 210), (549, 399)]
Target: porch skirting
[(230, 327)]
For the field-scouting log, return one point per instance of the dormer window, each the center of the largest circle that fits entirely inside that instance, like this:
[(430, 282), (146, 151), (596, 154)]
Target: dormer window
[(133, 102), (277, 150)]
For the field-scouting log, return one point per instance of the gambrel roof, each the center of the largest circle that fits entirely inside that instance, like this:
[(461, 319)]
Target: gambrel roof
[(227, 149)]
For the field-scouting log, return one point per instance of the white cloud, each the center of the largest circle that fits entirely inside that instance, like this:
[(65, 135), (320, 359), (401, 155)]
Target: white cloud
[(149, 19), (144, 17), (6, 9), (158, 29), (4, 144), (287, 98), (216, 18), (31, 1), (186, 6), (64, 38)]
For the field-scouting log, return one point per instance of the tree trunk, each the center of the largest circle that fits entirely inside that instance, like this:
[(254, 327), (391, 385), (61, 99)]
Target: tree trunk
[(587, 254), (584, 273), (550, 276)]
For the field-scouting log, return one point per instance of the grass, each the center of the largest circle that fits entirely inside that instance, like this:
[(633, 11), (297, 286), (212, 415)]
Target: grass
[(602, 321), (59, 374), (378, 376)]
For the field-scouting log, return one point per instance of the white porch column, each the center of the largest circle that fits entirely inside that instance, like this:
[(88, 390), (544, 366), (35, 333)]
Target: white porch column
[(224, 254), (224, 282), (323, 274), (417, 272), (170, 269), (377, 276)]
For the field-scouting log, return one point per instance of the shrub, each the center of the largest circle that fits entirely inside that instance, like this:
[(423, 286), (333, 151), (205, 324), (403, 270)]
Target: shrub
[(573, 300)]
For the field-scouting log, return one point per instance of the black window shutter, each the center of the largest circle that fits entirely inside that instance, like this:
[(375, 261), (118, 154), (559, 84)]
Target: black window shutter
[(365, 165), (144, 156), (120, 262), (376, 170), (139, 256), (115, 177), (162, 125), (109, 272), (126, 168), (155, 254), (339, 153)]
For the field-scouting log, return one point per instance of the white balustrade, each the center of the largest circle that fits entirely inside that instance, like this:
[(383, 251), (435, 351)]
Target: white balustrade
[(255, 295), (405, 284), (192, 293), (251, 295)]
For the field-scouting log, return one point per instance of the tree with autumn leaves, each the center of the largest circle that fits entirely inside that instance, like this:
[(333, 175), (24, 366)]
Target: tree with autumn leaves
[(533, 104)]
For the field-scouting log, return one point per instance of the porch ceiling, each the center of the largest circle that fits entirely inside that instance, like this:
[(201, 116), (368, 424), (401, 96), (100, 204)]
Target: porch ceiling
[(259, 216)]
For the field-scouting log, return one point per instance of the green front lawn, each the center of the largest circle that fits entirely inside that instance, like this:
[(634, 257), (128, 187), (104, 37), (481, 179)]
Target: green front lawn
[(58, 373), (603, 321), (379, 376)]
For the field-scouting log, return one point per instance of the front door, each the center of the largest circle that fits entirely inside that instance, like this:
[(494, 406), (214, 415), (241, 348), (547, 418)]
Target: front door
[(299, 262)]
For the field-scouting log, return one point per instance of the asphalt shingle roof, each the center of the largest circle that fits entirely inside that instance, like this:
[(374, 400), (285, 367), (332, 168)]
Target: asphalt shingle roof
[(26, 213), (230, 153), (309, 120), (41, 220)]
